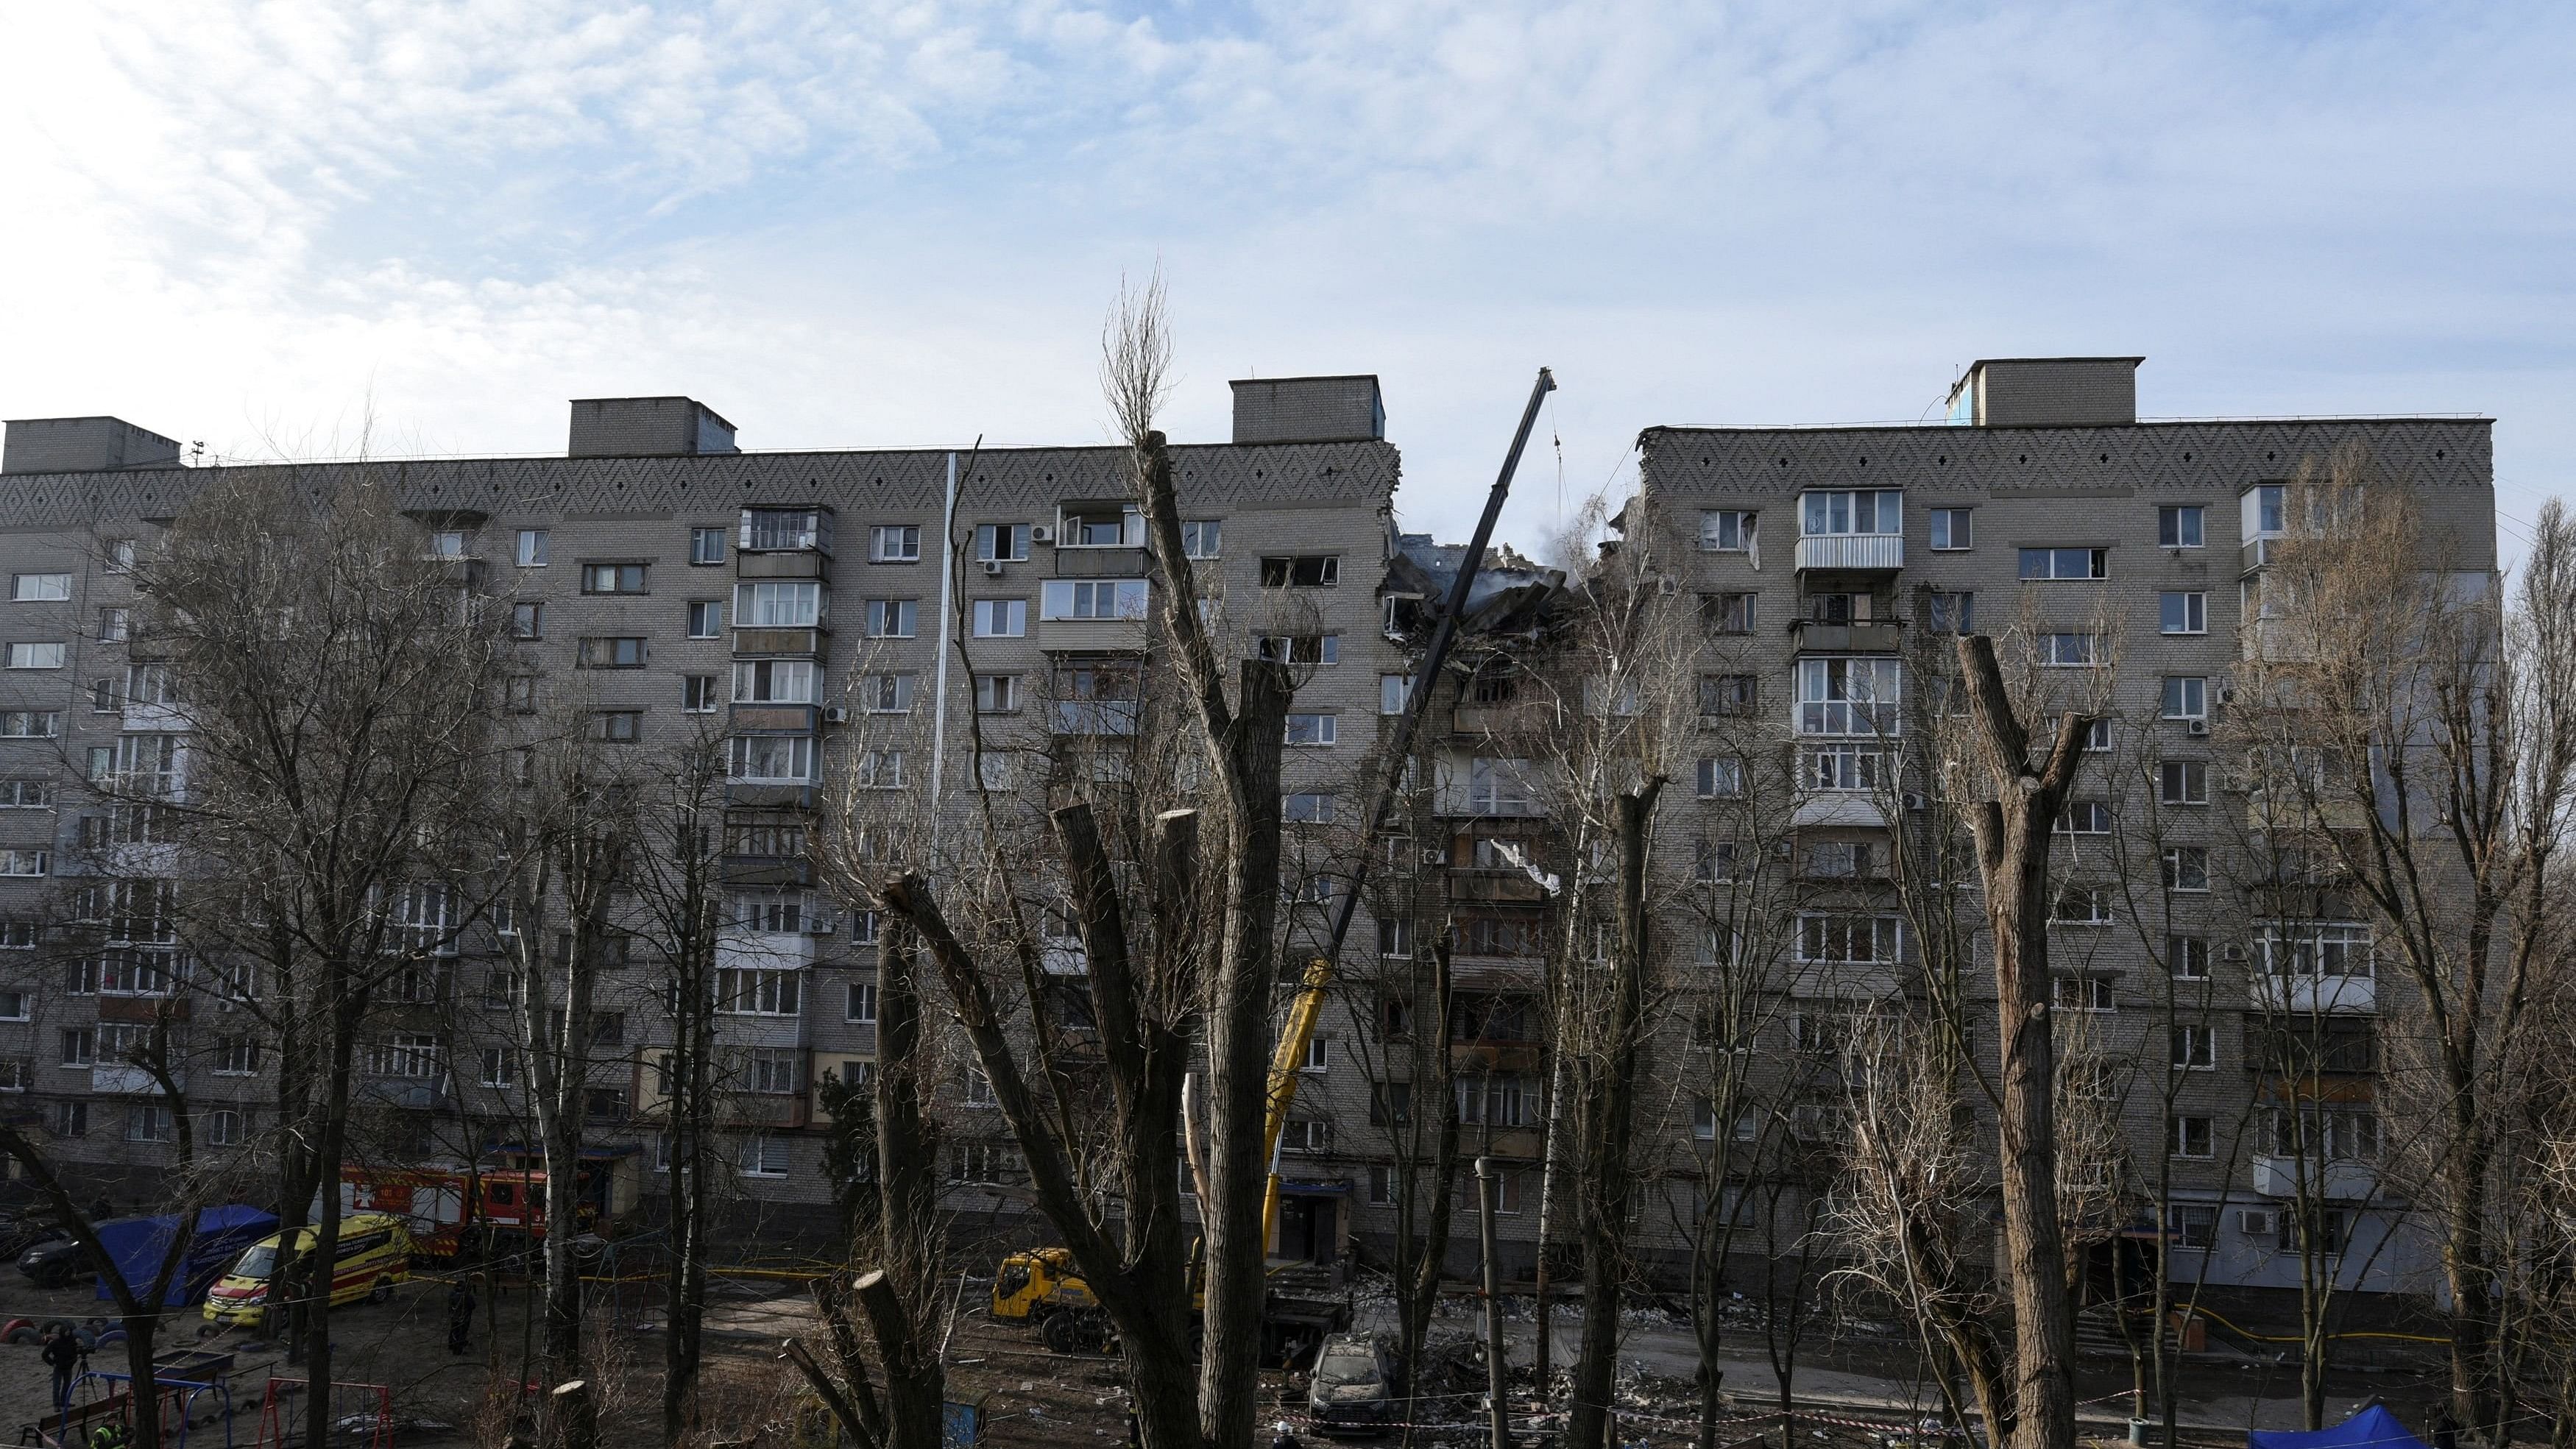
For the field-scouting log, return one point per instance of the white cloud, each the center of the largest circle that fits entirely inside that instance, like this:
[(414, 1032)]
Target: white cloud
[(897, 220)]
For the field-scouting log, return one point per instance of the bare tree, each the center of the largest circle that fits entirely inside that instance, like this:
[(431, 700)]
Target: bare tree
[(2442, 727), (335, 683)]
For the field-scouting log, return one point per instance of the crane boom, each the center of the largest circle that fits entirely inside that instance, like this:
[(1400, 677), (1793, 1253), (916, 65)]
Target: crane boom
[(1289, 1059)]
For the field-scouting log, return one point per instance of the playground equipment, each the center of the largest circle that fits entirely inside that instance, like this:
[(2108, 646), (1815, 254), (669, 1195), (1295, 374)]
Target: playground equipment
[(362, 1415), (194, 1388)]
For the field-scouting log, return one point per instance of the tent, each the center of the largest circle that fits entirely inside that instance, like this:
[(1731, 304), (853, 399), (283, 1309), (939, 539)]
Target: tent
[(137, 1244), (2372, 1428)]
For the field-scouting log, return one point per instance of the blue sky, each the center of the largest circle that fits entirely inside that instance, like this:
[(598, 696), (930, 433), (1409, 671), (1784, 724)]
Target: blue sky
[(900, 223)]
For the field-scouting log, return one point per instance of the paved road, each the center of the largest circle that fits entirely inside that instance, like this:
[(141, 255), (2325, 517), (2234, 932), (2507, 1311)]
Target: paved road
[(2255, 1399)]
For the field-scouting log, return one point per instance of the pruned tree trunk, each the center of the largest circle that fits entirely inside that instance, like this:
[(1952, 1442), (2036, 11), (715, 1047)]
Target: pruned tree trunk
[(1606, 1074), (2012, 848), (899, 1297)]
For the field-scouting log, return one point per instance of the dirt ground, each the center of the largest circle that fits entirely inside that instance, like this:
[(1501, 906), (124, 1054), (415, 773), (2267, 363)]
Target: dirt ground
[(1030, 1397)]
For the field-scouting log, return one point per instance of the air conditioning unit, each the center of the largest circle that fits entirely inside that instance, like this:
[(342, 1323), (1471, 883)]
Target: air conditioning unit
[(2234, 954), (2254, 1222), (2197, 727), (836, 714), (2226, 692), (1434, 855), (992, 568), (1041, 533), (1913, 800), (1668, 586)]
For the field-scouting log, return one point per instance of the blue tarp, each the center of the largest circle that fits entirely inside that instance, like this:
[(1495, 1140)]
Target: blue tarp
[(136, 1246), (2372, 1428)]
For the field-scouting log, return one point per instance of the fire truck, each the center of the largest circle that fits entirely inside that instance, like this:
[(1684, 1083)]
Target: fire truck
[(449, 1206)]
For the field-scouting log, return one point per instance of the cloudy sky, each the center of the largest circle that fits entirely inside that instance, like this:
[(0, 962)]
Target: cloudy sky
[(899, 221)]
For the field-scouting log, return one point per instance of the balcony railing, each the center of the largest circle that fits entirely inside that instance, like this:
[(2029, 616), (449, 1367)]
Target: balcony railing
[(2302, 995), (1852, 551), (1876, 637)]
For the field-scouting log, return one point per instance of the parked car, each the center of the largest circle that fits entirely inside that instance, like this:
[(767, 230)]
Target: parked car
[(57, 1261), (20, 1231), (1356, 1389)]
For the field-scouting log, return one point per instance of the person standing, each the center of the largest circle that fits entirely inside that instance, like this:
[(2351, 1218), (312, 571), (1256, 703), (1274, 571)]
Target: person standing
[(460, 1314), (62, 1355)]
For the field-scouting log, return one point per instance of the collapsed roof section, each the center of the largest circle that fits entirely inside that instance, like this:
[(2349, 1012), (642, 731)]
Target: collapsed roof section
[(1509, 595)]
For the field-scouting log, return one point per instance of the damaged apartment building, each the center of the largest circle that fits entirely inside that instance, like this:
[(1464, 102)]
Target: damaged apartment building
[(796, 602)]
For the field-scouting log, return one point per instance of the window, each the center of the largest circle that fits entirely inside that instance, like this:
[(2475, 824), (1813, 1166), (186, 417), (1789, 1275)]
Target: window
[(1950, 613), (2178, 526), (979, 1088), (1953, 529), (771, 529), (113, 626), (1306, 1134), (1001, 618), (527, 621), (1392, 692), (24, 862), (770, 912), (447, 543), (80, 1047), (1826, 860), (881, 770), (499, 1068), (1394, 936), (404, 1054), (771, 760), (1864, 511), (2321, 1133), (894, 543), (40, 588), (2066, 563), (2187, 957), (791, 606), (612, 578), (706, 546), (1301, 571), (149, 684), (2186, 697), (119, 555), (1845, 767), (2192, 1137), (1728, 613), (2195, 1226), (2085, 817), (1855, 696), (1201, 537), (2183, 613), (1091, 599), (2084, 993), (2182, 782), (891, 618), (1497, 1102), (237, 1056), (1498, 786), (1306, 809), (775, 681), (988, 1164), (698, 694), (1499, 936), (70, 1119), (2321, 948), (761, 1154), (1001, 542), (26, 793), (2195, 1047), (148, 1122), (1728, 694), (533, 545), (1721, 777), (519, 693), (2070, 651), (2081, 905), (1312, 731), (743, 991), (1100, 525), (769, 1071), (617, 726), (706, 618), (1726, 530), (997, 694), (30, 724), (1850, 938), (1299, 648), (36, 656), (859, 1003), (612, 653)]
